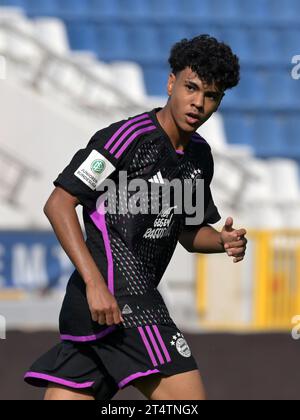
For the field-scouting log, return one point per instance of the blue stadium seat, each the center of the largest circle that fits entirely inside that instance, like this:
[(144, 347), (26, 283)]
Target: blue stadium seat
[(203, 28), (281, 90), (133, 9), (113, 42), (249, 94), (273, 90), (193, 10), (294, 6), (16, 3), (163, 11), (156, 78), (103, 9), (136, 42), (63, 9), (294, 92), (266, 43), (232, 100), (143, 43), (239, 128), (284, 11), (290, 45), (240, 42), (82, 36), (36, 8), (255, 46), (73, 9), (168, 35), (255, 11), (225, 12), (270, 136), (292, 128)]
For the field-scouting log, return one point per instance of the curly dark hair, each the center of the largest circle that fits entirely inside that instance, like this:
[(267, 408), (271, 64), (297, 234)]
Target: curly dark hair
[(213, 61)]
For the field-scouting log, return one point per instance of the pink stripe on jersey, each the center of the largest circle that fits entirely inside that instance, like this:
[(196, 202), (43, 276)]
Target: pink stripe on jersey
[(87, 338), (69, 384), (163, 346), (130, 130), (136, 376), (98, 218), (148, 347), (123, 127), (133, 137), (161, 359)]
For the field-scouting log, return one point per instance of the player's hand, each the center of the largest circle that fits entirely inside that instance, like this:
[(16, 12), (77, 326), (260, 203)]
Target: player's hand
[(103, 305), (234, 241)]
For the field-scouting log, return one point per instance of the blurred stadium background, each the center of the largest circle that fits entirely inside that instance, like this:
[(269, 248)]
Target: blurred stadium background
[(69, 68)]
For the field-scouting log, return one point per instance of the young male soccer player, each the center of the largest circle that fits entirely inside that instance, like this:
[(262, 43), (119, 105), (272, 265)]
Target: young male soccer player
[(115, 328)]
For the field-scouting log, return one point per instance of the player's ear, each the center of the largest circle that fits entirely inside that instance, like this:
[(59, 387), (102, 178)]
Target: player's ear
[(171, 82)]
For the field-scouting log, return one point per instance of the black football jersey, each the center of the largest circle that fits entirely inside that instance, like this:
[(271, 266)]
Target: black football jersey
[(131, 250)]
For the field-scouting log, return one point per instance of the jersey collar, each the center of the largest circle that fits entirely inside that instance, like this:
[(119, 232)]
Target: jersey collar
[(178, 155)]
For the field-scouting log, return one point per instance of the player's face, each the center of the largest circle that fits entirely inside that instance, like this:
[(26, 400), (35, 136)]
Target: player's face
[(192, 101)]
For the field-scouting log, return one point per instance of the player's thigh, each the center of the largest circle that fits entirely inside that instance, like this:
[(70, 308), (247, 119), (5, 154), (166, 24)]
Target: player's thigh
[(60, 393), (184, 386)]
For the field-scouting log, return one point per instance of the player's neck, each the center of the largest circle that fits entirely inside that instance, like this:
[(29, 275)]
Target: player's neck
[(179, 139)]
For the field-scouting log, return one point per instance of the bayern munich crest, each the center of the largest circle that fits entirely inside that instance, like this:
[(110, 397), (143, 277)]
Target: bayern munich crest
[(181, 345)]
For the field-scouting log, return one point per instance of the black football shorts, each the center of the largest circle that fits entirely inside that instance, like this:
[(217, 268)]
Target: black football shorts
[(114, 362)]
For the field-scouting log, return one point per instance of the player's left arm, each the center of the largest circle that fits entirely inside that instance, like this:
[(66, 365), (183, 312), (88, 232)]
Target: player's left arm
[(207, 240)]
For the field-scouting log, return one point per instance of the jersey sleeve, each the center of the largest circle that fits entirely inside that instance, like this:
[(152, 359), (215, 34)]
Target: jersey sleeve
[(211, 213), (90, 167)]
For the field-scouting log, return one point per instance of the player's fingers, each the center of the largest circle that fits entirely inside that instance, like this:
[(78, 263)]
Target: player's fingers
[(237, 260), (118, 319), (236, 252), (101, 319), (94, 316), (241, 255), (241, 232), (228, 224), (237, 244), (231, 237), (109, 318)]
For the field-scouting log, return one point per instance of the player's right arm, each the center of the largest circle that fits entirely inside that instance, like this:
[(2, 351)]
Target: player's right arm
[(60, 209), (79, 183)]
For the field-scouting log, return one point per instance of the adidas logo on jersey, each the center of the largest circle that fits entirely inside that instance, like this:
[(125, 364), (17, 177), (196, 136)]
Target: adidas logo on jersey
[(157, 179), (127, 310)]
